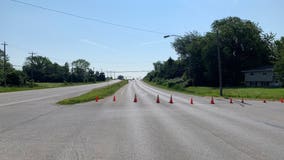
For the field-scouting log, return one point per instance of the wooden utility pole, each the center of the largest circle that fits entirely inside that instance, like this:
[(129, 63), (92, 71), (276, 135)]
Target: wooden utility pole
[(219, 65), (4, 65), (32, 67)]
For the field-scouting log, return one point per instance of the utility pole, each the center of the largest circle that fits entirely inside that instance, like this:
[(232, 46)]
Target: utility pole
[(71, 78), (219, 65), (4, 65), (32, 67)]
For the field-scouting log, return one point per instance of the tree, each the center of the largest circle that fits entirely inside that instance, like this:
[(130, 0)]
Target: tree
[(91, 76), (279, 62), (55, 73), (41, 69), (189, 48), (120, 77), (12, 76), (1, 54), (80, 68), (101, 77), (37, 68), (81, 63), (16, 78), (66, 73), (243, 45)]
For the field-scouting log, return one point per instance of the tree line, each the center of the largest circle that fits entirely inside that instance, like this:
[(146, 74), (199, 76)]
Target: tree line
[(242, 45), (41, 69)]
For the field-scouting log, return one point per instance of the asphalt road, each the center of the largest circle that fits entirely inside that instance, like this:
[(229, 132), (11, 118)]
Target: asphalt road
[(33, 127)]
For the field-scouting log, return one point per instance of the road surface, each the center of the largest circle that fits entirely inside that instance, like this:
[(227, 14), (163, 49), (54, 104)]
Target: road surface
[(33, 127)]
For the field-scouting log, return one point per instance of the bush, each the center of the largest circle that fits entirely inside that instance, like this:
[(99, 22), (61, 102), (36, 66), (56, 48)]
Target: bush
[(31, 83), (187, 83), (16, 78)]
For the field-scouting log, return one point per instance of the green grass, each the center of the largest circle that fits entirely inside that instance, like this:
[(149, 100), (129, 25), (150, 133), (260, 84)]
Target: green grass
[(255, 93), (90, 96), (14, 89), (56, 85), (243, 92), (39, 86)]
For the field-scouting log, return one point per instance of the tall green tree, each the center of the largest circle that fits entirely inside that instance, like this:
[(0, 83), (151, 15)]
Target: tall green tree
[(279, 60), (91, 76), (13, 77), (66, 72), (189, 48), (41, 69), (243, 45), (37, 68), (80, 69), (16, 78)]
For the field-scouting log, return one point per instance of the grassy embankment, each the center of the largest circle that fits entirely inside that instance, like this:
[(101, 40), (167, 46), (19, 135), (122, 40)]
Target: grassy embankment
[(243, 92), (90, 96), (39, 86)]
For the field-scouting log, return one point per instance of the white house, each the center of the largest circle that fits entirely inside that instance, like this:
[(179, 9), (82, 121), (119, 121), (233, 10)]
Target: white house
[(261, 77)]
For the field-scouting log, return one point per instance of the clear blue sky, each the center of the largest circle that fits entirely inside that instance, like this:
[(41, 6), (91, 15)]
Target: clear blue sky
[(65, 38)]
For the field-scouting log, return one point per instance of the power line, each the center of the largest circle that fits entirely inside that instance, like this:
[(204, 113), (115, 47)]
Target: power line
[(88, 18)]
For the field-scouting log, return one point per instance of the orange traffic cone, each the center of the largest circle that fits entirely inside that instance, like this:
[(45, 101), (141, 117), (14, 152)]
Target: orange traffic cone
[(281, 100), (243, 100), (212, 101), (97, 98), (231, 100), (114, 98), (135, 99), (191, 101), (171, 100), (158, 99)]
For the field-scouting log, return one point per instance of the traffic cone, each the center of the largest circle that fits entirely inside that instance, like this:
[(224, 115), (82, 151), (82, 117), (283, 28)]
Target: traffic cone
[(158, 99), (171, 100), (212, 101), (114, 98), (243, 100), (97, 98), (191, 101), (264, 101), (135, 99), (281, 100), (231, 100)]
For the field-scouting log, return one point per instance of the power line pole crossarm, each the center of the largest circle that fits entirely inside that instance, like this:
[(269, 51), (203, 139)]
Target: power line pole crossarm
[(4, 64)]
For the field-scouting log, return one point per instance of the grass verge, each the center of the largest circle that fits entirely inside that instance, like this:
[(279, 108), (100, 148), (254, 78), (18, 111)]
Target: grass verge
[(90, 96), (40, 86), (243, 92)]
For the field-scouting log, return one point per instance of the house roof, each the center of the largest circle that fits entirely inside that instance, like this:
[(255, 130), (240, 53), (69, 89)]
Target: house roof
[(260, 69)]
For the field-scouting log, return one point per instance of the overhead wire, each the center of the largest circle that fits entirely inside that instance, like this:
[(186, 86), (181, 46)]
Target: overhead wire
[(88, 18)]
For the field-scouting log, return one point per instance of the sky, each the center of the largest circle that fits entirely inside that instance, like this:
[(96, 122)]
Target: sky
[(119, 35)]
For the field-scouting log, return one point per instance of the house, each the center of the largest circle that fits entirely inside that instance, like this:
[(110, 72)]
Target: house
[(261, 77)]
